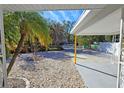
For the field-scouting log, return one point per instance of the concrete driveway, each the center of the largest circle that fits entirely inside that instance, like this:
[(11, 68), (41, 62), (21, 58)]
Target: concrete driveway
[(96, 69)]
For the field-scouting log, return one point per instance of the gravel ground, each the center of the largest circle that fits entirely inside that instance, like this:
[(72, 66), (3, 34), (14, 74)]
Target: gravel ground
[(48, 70), (16, 83)]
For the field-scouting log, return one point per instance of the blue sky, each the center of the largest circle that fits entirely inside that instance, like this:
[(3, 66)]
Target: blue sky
[(61, 15)]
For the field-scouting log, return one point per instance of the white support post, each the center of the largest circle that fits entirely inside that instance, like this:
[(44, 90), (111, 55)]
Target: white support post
[(113, 48), (3, 49), (119, 58), (120, 50)]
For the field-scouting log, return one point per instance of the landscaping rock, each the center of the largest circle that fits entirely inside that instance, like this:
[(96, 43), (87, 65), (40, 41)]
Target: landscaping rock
[(51, 71)]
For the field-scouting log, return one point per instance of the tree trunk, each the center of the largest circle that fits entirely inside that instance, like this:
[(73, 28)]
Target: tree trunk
[(17, 51), (20, 45), (68, 37)]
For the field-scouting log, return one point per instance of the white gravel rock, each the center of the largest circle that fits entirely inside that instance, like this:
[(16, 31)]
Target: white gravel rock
[(54, 70)]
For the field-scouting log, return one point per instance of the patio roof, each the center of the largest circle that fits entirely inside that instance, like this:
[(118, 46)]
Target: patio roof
[(40, 7), (105, 21)]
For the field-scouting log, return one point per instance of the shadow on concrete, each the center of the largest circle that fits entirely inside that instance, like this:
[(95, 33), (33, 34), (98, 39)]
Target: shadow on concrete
[(96, 70)]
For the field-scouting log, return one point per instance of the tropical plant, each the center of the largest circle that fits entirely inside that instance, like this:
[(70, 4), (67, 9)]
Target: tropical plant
[(108, 38), (21, 27), (83, 40), (88, 40)]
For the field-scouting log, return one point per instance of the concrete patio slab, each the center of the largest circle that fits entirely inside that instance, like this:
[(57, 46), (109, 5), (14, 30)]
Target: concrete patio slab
[(96, 69), (97, 72)]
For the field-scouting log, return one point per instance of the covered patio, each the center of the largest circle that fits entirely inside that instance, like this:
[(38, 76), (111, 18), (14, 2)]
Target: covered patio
[(97, 69), (96, 20), (106, 21)]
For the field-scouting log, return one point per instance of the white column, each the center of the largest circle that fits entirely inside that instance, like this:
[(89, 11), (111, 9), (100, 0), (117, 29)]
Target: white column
[(120, 73), (3, 49)]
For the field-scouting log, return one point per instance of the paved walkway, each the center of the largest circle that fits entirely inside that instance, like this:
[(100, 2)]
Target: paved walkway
[(96, 69)]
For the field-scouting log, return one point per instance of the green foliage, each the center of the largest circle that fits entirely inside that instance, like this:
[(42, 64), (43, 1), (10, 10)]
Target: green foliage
[(88, 40), (21, 27), (36, 28), (83, 40), (108, 38), (55, 48)]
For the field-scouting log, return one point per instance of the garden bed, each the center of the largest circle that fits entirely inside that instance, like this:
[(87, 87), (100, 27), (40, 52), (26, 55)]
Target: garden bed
[(53, 70)]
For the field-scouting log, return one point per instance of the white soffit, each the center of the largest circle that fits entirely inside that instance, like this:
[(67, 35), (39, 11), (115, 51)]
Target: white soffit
[(104, 21), (41, 7), (109, 25)]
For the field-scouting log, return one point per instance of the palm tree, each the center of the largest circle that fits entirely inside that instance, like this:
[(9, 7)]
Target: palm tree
[(22, 26)]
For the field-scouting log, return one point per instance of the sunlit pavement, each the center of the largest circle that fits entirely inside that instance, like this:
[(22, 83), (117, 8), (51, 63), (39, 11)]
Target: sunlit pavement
[(96, 69)]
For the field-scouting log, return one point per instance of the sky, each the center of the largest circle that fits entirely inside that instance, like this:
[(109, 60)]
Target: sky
[(61, 15)]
